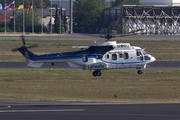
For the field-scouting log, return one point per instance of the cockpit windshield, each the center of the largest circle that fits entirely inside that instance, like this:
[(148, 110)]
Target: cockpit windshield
[(138, 52), (147, 58), (144, 53)]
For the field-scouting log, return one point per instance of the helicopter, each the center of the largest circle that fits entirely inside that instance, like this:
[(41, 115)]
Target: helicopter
[(99, 56)]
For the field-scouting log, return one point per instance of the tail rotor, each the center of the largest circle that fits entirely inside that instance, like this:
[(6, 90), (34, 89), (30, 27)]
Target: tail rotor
[(24, 47)]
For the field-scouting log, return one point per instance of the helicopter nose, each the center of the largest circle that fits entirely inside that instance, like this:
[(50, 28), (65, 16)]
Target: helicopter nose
[(153, 59)]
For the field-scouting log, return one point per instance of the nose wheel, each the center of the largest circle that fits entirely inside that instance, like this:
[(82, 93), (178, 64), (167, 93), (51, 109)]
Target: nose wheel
[(97, 73), (139, 72)]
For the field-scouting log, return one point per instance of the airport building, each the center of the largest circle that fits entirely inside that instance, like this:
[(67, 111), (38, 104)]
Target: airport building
[(161, 2), (157, 17)]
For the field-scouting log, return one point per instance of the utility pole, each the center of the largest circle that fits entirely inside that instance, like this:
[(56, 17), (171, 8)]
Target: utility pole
[(42, 17), (5, 18), (14, 16), (32, 18), (60, 17), (23, 19), (51, 17), (71, 17)]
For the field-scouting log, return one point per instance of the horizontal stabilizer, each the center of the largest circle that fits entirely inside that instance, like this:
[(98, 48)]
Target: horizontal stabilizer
[(74, 65), (34, 65), (80, 47)]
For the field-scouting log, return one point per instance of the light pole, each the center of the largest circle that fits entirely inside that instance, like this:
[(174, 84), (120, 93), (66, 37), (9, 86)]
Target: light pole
[(60, 17), (71, 17)]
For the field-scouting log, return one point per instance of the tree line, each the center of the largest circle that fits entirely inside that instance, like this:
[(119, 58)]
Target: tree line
[(88, 15)]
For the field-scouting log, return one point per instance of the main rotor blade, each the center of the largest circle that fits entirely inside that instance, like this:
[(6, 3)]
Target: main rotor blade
[(123, 35)]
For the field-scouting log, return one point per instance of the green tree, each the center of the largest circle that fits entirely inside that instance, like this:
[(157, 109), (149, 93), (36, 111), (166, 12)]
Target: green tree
[(65, 23), (49, 25), (126, 2), (87, 13), (2, 27), (57, 22), (27, 20), (119, 27)]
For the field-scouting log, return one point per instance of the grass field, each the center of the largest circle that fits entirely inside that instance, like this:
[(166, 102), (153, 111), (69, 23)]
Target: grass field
[(162, 50), (112, 86)]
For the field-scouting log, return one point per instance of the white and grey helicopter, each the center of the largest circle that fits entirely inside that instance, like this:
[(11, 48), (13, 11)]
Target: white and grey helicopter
[(99, 56)]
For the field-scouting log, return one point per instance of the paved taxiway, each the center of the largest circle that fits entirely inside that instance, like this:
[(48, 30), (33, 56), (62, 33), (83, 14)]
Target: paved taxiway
[(156, 66), (44, 110)]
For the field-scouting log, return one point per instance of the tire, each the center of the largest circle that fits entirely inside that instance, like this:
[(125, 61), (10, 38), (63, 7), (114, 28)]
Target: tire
[(94, 73), (98, 73), (139, 72)]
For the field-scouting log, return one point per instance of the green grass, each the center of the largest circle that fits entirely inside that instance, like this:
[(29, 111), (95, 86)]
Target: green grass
[(112, 86)]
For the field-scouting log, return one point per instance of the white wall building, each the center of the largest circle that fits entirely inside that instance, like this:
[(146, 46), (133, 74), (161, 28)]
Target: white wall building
[(161, 2)]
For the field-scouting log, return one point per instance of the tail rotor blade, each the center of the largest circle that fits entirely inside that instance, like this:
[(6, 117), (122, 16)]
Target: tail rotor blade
[(15, 49), (33, 46)]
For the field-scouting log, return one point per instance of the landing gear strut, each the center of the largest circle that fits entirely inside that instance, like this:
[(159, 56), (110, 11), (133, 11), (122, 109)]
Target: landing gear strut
[(139, 72), (97, 73), (52, 64)]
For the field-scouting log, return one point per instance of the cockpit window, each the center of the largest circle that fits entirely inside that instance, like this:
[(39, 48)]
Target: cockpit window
[(147, 58), (137, 53), (144, 53)]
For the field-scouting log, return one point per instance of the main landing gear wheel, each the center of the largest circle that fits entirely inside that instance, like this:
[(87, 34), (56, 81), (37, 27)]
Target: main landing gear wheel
[(139, 72), (94, 74), (97, 73)]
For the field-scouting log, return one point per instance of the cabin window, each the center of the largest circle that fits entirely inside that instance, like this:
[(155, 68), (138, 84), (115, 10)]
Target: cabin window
[(114, 56), (120, 55), (97, 56), (107, 56), (85, 58), (126, 56)]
